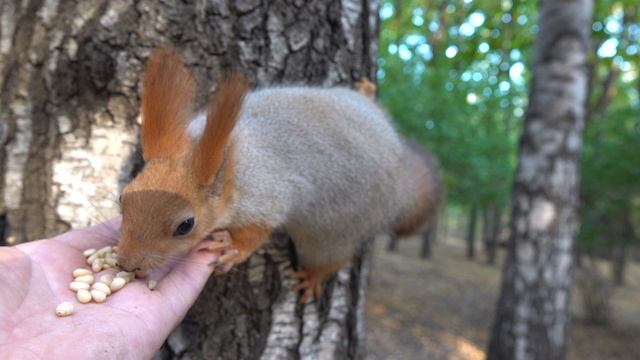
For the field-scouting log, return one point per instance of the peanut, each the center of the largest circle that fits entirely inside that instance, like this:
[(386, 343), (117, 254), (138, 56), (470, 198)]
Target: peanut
[(117, 283), (64, 309), (104, 251), (97, 265), (98, 296), (152, 284), (102, 287), (85, 279), (83, 296), (81, 271), (126, 275), (92, 258), (110, 260), (106, 278), (83, 283), (89, 252), (77, 285)]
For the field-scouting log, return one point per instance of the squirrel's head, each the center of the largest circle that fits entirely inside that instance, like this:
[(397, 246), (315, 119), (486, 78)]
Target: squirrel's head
[(186, 184)]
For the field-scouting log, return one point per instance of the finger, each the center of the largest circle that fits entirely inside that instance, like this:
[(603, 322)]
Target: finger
[(107, 233), (185, 281)]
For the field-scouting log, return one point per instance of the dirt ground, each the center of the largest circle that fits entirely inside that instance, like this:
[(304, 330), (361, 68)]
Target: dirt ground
[(443, 308)]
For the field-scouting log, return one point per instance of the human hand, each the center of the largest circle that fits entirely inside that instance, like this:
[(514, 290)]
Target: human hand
[(132, 323)]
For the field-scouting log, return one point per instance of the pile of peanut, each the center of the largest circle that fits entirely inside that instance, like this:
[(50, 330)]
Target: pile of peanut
[(87, 289)]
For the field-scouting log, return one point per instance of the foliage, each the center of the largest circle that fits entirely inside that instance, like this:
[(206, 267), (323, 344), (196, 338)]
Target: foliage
[(454, 76), (610, 191)]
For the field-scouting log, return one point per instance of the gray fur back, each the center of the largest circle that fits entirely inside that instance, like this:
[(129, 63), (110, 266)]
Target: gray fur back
[(320, 164)]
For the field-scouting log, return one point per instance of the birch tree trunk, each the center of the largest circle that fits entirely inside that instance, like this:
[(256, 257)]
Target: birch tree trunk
[(70, 77), (532, 315)]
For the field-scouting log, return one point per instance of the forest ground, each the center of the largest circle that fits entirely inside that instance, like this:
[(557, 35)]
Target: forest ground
[(443, 308)]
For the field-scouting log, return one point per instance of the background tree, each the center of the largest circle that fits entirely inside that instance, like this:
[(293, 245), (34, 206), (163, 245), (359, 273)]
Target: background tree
[(532, 315), (610, 192), (454, 75), (69, 109)]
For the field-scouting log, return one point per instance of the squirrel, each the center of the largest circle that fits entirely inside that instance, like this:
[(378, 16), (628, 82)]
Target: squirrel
[(420, 188), (320, 164), (422, 194)]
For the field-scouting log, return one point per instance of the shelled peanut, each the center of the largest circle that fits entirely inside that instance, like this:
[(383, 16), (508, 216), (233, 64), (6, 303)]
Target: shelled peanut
[(84, 284)]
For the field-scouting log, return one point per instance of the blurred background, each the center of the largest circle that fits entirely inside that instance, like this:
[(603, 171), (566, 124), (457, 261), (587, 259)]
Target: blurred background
[(456, 77)]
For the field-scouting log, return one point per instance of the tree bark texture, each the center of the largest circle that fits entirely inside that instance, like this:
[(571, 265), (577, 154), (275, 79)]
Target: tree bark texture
[(70, 77), (532, 315)]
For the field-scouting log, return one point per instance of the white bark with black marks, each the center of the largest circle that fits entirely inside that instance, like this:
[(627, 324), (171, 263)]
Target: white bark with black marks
[(70, 77), (532, 316)]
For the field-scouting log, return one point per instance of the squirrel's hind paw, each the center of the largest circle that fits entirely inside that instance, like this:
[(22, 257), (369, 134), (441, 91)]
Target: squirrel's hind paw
[(311, 283), (310, 286)]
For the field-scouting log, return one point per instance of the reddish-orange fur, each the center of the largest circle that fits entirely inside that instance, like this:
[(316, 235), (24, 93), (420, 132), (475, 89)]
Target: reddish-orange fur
[(166, 105), (428, 196), (177, 180), (247, 239), (366, 88), (312, 280), (222, 116), (227, 181), (410, 224)]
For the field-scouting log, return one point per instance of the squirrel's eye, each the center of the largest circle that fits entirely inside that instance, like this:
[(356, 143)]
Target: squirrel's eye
[(184, 228)]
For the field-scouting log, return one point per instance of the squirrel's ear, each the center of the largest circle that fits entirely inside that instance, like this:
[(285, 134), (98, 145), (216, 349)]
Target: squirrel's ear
[(222, 115), (166, 104)]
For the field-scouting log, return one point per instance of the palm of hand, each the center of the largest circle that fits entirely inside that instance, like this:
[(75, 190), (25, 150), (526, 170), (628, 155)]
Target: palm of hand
[(133, 322)]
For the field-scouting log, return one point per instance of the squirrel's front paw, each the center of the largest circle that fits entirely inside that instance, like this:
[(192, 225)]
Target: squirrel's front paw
[(228, 255)]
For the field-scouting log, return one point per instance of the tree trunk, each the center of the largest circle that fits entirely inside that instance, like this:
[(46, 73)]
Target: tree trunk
[(70, 76), (491, 232), (392, 246), (619, 251), (471, 232), (428, 239), (619, 263), (532, 317)]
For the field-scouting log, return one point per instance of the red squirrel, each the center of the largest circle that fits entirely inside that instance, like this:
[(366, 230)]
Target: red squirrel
[(319, 164)]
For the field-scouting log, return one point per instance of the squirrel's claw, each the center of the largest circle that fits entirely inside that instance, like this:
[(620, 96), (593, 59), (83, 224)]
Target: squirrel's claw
[(310, 285), (226, 261), (222, 240), (227, 257)]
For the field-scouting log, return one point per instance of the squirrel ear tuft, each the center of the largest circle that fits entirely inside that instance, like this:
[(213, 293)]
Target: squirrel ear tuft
[(167, 97), (224, 109)]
